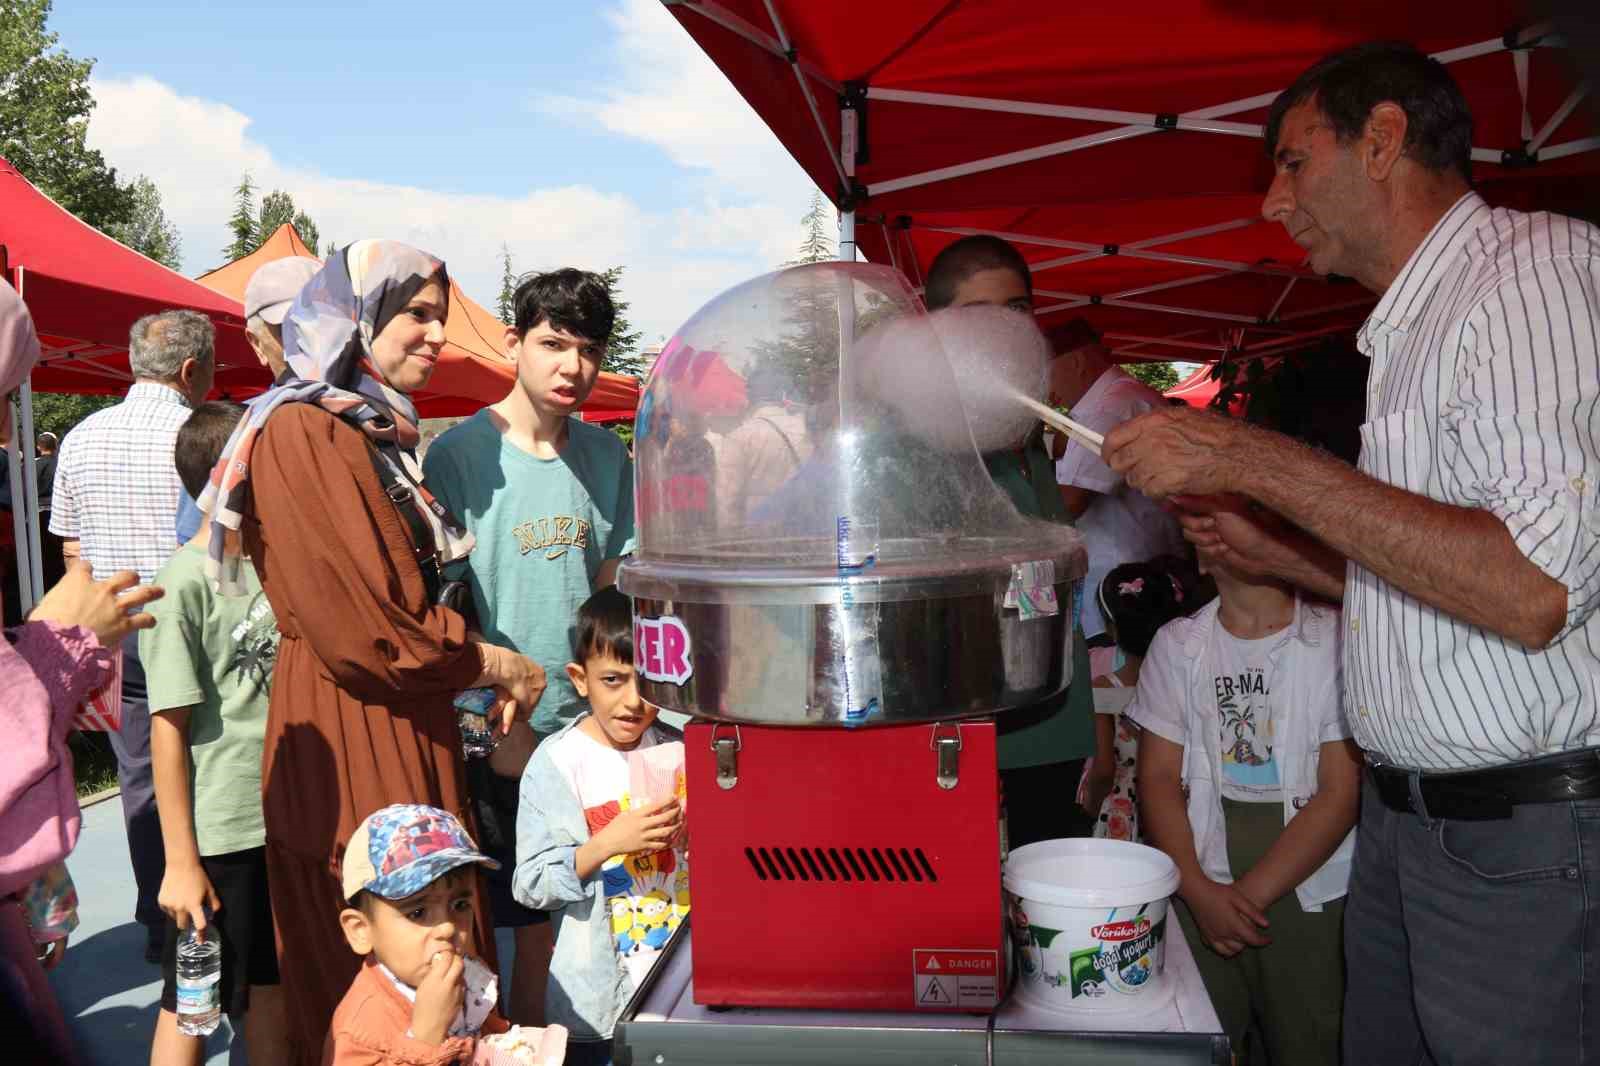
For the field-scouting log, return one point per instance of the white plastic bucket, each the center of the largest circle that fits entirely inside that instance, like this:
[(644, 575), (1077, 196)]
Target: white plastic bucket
[(1089, 921)]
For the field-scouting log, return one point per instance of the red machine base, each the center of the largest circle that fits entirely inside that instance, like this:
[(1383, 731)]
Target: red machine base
[(846, 869)]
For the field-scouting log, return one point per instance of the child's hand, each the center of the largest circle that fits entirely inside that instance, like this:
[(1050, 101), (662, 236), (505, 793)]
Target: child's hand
[(439, 997), (1228, 921), (185, 894), (643, 829)]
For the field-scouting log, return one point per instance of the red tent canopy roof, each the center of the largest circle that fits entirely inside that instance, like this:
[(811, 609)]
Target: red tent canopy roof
[(1049, 124), (85, 290)]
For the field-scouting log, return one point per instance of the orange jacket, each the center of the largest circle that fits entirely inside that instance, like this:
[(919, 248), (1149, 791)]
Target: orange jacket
[(370, 1026)]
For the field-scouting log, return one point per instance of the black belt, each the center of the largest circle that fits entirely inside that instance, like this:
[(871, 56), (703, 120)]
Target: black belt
[(1481, 795)]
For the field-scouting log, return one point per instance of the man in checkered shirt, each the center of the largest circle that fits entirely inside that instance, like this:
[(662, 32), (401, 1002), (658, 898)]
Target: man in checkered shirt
[(114, 505)]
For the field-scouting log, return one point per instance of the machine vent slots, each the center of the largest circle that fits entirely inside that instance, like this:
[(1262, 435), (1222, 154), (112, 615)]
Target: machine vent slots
[(841, 864)]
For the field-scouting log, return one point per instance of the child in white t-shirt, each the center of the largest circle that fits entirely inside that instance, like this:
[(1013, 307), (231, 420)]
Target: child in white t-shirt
[(1248, 780), (612, 866)]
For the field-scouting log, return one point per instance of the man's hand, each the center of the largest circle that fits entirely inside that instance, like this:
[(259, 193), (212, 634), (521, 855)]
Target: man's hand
[(1231, 531), (439, 997), (1171, 451), (102, 606), (1228, 921), (185, 894), (642, 830)]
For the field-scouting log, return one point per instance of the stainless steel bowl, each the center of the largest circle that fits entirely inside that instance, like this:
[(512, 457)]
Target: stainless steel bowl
[(925, 639)]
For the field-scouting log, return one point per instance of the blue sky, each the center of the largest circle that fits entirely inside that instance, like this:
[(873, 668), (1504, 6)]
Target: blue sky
[(594, 134)]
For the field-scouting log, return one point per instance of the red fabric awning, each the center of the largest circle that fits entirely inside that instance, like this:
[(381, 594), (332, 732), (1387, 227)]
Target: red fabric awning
[(85, 291), (1196, 390), (1044, 123)]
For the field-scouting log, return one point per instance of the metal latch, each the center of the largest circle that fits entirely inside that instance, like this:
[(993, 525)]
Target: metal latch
[(726, 750), (947, 747)]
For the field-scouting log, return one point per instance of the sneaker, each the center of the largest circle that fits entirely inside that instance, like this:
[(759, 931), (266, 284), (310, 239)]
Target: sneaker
[(155, 940)]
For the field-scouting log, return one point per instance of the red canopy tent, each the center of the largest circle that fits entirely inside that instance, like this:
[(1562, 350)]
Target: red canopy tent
[(473, 369), (85, 290), (1119, 149), (1196, 390)]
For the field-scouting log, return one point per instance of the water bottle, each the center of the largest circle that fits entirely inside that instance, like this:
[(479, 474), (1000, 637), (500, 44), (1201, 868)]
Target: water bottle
[(199, 982)]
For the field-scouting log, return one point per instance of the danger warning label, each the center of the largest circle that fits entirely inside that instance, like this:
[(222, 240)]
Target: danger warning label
[(955, 979)]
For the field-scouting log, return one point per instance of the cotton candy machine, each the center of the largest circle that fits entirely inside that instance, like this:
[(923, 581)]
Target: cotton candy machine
[(828, 578)]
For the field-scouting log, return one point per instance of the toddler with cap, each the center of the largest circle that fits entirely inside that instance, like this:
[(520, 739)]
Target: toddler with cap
[(422, 998)]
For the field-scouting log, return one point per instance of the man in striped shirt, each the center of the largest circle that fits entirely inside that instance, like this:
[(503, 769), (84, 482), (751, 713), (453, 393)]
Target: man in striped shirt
[(115, 505), (1466, 549)]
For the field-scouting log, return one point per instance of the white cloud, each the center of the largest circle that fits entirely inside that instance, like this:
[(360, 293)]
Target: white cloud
[(746, 194), (668, 93)]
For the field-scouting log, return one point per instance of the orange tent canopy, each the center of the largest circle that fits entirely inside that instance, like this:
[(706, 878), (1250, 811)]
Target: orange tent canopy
[(473, 369)]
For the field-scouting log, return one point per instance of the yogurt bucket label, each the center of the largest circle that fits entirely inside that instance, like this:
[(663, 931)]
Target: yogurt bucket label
[(1089, 924), (1120, 956)]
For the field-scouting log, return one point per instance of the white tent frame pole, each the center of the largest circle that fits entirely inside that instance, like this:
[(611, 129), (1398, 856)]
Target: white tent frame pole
[(1313, 312), (30, 486), (1135, 348), (19, 515), (1168, 341), (715, 12), (1141, 305), (86, 366), (1561, 151), (888, 242), (1568, 105), (1128, 250), (793, 59), (1193, 120), (1282, 296), (1086, 114)]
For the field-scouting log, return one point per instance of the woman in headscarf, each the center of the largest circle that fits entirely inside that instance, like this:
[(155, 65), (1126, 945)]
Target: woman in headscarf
[(321, 482), (47, 666)]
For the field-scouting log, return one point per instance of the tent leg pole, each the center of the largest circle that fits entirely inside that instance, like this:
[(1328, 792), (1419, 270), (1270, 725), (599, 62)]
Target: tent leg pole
[(847, 236), (19, 509), (30, 482)]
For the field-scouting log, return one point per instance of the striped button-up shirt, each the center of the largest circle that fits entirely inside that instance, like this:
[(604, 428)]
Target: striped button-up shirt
[(116, 488), (1485, 393)]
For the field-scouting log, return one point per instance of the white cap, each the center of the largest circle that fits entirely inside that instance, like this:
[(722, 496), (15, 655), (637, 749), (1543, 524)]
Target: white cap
[(274, 286)]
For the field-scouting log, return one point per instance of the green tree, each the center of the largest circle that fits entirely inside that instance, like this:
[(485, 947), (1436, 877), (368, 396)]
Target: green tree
[(57, 412), (44, 118), (504, 305), (149, 231), (1159, 376), (243, 222), (278, 207), (622, 347), (817, 246)]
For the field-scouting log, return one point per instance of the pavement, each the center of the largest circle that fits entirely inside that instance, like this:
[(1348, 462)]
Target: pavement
[(109, 994)]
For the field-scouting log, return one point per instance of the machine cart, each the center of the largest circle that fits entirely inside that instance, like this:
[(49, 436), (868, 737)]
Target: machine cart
[(663, 1026)]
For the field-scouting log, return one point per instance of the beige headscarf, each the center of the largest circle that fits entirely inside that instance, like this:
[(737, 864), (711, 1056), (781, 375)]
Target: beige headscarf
[(19, 350)]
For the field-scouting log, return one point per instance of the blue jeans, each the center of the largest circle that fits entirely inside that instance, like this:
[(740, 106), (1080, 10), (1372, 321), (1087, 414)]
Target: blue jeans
[(137, 781), (1474, 942)]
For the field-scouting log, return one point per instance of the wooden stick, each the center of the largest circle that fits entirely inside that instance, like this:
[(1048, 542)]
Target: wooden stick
[(1081, 433)]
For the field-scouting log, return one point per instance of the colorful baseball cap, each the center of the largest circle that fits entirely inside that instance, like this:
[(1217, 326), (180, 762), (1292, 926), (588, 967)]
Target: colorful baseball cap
[(404, 848)]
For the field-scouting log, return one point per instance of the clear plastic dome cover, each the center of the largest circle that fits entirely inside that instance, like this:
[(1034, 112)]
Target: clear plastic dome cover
[(818, 418)]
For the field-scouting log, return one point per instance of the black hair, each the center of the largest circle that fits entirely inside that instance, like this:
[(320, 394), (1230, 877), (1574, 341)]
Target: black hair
[(571, 300), (605, 627), (365, 902), (200, 441), (966, 257), (1347, 85), (1139, 598)]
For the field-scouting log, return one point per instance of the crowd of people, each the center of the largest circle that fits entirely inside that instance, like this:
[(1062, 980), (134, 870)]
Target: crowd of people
[(1357, 705)]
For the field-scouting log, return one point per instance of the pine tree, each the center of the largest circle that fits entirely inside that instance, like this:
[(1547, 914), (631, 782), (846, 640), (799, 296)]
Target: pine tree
[(622, 347), (307, 230), (243, 222), (508, 287), (817, 246)]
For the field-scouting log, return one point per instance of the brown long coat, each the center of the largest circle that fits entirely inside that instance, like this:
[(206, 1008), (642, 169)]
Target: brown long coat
[(360, 714)]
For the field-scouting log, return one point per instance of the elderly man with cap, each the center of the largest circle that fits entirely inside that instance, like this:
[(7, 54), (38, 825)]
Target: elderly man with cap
[(267, 297), (1118, 522)]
